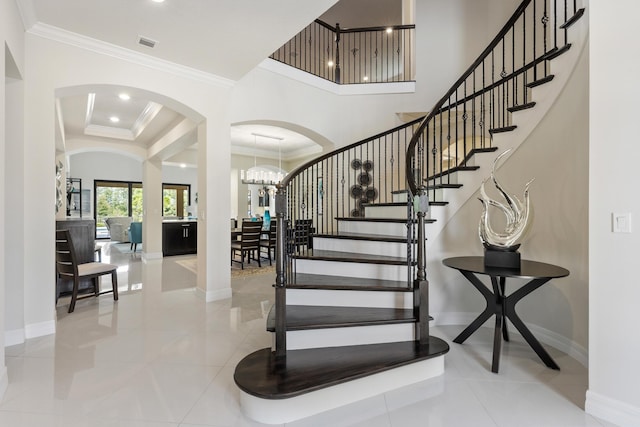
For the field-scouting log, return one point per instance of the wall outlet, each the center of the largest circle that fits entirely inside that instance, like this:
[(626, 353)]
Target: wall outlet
[(621, 222)]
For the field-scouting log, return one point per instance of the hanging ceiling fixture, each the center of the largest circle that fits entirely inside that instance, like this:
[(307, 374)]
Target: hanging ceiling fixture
[(261, 175)]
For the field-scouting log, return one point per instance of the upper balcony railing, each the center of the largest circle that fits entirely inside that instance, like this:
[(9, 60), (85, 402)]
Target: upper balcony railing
[(351, 56)]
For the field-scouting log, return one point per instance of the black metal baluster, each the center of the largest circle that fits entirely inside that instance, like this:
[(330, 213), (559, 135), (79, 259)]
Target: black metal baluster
[(555, 24), (513, 68), (482, 111), (473, 115), (449, 143)]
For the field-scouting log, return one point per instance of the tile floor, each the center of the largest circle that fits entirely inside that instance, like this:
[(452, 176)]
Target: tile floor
[(162, 357)]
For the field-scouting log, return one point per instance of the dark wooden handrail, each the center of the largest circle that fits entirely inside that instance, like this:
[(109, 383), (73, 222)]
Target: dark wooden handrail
[(411, 181), (366, 29)]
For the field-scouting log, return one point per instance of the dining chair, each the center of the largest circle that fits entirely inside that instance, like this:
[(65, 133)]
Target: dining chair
[(135, 235), (249, 243), (68, 267), (268, 240)]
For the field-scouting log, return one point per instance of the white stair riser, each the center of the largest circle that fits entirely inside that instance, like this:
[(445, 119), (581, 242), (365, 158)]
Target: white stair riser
[(399, 198), (340, 298), (399, 212), (352, 269), (383, 228), (396, 249), (356, 335), (383, 211), (365, 227)]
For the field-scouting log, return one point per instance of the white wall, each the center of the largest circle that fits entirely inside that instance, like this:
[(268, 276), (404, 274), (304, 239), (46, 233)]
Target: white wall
[(556, 155), (614, 342), (14, 214), (11, 133)]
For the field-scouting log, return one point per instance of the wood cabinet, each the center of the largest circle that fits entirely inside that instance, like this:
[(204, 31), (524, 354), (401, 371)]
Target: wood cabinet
[(179, 237)]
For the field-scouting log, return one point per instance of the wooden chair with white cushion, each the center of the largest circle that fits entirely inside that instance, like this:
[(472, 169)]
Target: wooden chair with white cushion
[(68, 267)]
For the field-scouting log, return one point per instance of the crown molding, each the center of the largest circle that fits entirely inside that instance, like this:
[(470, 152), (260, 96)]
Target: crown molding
[(109, 132), (151, 110), (73, 39)]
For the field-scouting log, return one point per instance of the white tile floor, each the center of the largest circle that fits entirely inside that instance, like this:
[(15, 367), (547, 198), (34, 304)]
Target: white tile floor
[(163, 357)]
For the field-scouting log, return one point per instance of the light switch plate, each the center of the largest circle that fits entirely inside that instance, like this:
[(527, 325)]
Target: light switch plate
[(621, 222)]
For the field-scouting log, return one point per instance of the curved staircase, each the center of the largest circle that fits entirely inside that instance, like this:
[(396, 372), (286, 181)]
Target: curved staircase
[(351, 317)]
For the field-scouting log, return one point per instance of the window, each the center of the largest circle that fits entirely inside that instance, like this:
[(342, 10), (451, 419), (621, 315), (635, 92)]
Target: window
[(116, 198), (176, 199)]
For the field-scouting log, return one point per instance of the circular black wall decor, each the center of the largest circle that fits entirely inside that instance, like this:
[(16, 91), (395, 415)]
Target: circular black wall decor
[(364, 179), (356, 191), (371, 193)]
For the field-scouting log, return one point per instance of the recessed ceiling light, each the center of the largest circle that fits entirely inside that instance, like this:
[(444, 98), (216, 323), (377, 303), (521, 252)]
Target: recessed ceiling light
[(124, 96), (114, 119), (182, 165), (158, 1)]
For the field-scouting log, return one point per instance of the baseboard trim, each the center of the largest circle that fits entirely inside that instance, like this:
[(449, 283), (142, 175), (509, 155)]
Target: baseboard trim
[(543, 335), (41, 329), (4, 380), (216, 295), (14, 337), (151, 255), (611, 410)]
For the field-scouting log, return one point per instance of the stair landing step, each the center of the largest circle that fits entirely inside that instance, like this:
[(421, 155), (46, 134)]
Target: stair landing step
[(318, 281), (306, 317), (323, 255), (266, 376)]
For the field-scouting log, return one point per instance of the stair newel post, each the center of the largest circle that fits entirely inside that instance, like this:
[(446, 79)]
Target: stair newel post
[(421, 284), (280, 285), (337, 75)]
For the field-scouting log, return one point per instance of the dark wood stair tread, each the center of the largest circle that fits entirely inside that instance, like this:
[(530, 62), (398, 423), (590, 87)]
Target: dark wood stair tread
[(318, 281), (361, 236), (385, 220), (576, 16), (306, 317), (541, 81), (521, 107), (452, 170), (555, 52), (503, 129), (442, 186), (324, 255), (266, 376)]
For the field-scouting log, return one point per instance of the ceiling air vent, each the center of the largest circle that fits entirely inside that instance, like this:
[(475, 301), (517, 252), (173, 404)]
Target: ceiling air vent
[(144, 41)]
